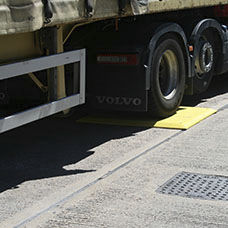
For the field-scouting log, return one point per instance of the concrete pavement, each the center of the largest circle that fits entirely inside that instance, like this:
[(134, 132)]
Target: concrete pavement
[(60, 174)]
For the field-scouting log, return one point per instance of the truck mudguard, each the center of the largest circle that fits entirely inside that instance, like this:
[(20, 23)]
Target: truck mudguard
[(159, 32), (195, 37)]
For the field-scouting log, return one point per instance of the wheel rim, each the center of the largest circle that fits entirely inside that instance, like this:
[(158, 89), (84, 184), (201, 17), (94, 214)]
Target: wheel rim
[(168, 74), (205, 59)]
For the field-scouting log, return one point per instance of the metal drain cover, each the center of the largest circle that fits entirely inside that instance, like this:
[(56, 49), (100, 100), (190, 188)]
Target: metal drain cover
[(193, 185)]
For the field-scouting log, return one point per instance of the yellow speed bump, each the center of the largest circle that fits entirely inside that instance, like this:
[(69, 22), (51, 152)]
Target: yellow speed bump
[(184, 118)]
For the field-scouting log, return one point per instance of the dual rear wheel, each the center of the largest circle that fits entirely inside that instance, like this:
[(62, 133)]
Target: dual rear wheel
[(168, 72)]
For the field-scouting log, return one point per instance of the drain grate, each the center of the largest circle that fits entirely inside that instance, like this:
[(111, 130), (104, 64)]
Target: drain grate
[(193, 185)]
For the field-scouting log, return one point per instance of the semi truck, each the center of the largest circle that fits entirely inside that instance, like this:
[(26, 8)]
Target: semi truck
[(122, 55)]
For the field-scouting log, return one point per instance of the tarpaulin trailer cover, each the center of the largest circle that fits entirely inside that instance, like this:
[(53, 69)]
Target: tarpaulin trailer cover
[(17, 16)]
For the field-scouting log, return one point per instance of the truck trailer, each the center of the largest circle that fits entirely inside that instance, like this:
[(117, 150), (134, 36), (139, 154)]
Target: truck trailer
[(122, 55)]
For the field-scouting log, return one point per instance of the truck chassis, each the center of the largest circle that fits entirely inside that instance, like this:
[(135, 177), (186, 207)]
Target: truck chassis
[(170, 58)]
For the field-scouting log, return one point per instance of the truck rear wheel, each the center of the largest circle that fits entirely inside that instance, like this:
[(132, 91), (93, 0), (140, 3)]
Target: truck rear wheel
[(167, 77)]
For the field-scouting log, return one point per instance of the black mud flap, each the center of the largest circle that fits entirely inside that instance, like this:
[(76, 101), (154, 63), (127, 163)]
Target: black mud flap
[(116, 79)]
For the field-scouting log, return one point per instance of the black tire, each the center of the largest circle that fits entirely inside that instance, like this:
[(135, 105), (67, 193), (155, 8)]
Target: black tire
[(201, 80), (167, 78)]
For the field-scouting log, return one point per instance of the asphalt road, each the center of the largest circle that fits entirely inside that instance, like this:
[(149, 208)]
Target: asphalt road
[(58, 173)]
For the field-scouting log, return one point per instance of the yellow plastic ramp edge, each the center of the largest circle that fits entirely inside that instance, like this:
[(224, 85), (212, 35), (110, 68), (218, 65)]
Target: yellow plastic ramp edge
[(184, 118)]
